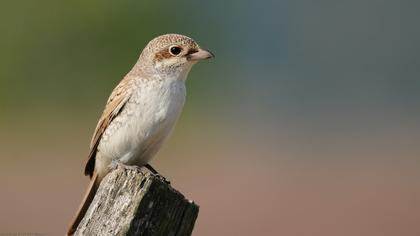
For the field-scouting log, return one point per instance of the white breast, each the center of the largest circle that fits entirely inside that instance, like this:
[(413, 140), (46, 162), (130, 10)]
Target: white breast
[(147, 119)]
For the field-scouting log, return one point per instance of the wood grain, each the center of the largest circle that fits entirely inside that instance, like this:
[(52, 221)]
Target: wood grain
[(132, 201)]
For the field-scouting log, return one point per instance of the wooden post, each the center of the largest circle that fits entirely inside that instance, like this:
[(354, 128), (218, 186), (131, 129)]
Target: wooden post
[(131, 201)]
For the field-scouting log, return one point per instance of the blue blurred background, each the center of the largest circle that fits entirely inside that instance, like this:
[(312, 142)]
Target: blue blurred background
[(307, 122)]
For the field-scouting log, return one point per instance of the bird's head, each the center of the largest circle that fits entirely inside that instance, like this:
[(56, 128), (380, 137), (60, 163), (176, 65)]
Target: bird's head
[(171, 55)]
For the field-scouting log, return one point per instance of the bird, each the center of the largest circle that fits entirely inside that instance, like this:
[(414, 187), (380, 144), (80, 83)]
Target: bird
[(141, 110)]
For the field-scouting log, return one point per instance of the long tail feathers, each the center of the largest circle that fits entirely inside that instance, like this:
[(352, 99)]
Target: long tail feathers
[(84, 206)]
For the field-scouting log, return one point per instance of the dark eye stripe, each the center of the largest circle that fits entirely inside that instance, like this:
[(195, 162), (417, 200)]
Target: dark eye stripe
[(192, 50)]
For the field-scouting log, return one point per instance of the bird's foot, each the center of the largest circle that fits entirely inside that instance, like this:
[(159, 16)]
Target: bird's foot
[(117, 164), (156, 174)]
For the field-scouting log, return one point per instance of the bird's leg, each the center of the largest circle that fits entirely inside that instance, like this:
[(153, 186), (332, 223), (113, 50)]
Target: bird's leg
[(154, 172), (116, 164), (151, 169)]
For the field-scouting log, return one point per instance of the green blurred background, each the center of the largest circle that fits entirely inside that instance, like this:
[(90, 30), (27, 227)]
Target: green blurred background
[(307, 122)]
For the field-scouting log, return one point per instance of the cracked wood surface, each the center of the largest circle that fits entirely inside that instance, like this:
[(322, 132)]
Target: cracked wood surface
[(132, 201)]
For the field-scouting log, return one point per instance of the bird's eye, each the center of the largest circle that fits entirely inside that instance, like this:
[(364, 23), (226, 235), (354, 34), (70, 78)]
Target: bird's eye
[(175, 50)]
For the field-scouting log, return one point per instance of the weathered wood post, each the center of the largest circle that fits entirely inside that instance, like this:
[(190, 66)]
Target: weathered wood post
[(136, 202)]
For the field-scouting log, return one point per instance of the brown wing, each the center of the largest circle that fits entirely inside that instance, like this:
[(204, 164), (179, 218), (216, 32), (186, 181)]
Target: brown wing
[(114, 106)]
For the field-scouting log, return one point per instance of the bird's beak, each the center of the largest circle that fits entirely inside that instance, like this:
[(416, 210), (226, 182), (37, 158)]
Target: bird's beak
[(199, 55)]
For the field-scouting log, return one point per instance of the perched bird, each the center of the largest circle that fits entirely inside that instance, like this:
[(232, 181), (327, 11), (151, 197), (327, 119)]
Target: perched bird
[(142, 110)]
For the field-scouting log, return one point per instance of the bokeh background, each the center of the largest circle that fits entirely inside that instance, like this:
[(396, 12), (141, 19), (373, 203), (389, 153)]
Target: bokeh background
[(307, 122)]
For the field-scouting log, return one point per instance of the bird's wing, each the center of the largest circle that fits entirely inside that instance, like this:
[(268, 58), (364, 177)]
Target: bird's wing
[(114, 106)]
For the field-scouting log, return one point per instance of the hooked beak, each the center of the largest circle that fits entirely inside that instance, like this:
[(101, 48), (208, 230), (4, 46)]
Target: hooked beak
[(199, 55)]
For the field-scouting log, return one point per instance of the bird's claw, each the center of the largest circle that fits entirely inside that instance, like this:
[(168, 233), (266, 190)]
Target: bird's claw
[(163, 179), (156, 174), (117, 164)]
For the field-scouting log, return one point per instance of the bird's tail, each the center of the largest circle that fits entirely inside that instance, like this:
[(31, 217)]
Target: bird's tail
[(90, 193)]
